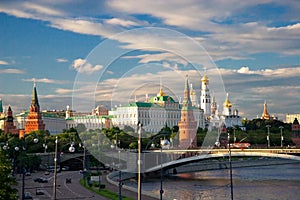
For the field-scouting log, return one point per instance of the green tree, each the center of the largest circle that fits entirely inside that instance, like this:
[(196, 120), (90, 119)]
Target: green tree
[(7, 182)]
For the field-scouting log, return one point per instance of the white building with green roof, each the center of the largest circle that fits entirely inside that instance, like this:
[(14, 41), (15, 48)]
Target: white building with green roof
[(157, 112)]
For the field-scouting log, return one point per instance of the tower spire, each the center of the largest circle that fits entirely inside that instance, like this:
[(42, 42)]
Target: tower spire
[(265, 114), (1, 106), (187, 99), (34, 98)]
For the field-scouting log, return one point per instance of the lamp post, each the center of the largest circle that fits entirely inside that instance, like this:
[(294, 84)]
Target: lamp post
[(16, 149), (83, 162), (120, 173), (234, 138), (281, 136), (139, 160), (268, 136), (35, 140), (71, 149), (230, 166), (163, 143), (55, 171)]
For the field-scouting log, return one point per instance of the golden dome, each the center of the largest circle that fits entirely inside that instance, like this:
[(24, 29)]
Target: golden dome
[(161, 93), (227, 103), (204, 79)]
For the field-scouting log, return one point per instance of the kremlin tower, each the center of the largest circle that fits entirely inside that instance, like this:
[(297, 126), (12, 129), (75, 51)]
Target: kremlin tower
[(265, 114), (34, 119), (205, 96), (9, 126), (187, 124)]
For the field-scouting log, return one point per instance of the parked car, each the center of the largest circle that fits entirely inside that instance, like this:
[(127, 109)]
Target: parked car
[(47, 173), (39, 191), (40, 180), (28, 195)]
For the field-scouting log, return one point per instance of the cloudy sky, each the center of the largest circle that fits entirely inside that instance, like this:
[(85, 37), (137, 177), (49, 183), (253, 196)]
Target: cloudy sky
[(84, 53)]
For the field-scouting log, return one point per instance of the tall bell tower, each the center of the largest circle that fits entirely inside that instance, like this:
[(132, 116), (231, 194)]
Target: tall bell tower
[(205, 96)]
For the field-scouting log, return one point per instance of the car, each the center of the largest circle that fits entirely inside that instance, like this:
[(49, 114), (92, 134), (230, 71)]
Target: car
[(47, 173), (39, 191), (27, 195), (40, 180), (27, 174)]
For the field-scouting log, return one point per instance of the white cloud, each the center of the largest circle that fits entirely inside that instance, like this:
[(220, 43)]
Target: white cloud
[(11, 71), (45, 80), (280, 72), (121, 22), (146, 58), (63, 91), (222, 40), (61, 60), (2, 62), (82, 66)]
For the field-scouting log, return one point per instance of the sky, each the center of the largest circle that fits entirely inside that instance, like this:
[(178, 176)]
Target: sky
[(85, 53)]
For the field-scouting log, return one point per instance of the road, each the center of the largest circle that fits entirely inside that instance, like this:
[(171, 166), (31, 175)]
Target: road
[(65, 190)]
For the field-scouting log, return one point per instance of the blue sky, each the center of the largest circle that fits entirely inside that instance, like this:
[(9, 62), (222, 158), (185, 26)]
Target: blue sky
[(253, 45)]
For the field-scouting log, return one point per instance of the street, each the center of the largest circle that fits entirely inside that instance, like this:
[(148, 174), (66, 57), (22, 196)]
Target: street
[(64, 190)]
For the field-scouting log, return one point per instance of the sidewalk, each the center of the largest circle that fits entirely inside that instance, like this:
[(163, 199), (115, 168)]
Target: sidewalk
[(114, 188), (125, 192)]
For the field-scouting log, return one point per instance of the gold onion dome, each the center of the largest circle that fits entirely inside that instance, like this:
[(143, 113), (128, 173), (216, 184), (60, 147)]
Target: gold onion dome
[(161, 93), (204, 79), (227, 103)]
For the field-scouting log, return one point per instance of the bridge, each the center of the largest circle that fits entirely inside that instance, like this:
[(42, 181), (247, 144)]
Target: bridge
[(171, 158), (195, 155)]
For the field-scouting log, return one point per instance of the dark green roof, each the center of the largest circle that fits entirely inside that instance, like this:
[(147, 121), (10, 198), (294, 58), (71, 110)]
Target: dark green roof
[(140, 104), (161, 99)]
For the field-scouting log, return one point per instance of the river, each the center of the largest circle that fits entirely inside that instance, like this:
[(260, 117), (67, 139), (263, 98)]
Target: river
[(273, 182)]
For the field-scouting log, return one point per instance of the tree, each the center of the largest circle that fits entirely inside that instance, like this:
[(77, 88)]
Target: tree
[(6, 180)]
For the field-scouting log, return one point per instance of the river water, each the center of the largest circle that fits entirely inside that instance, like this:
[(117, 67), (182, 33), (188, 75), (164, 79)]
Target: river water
[(274, 182)]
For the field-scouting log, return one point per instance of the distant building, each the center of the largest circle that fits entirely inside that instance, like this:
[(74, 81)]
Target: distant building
[(2, 115), (34, 120), (230, 117), (296, 132), (9, 126), (98, 119), (159, 111), (187, 124), (289, 118), (265, 114), (154, 114), (205, 100)]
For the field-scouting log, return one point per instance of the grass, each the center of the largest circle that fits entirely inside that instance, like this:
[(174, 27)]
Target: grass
[(104, 192)]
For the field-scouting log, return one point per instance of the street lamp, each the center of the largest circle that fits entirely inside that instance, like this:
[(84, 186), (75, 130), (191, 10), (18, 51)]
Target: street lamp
[(55, 172), (268, 136), (139, 160), (230, 166), (163, 144), (83, 162), (281, 136), (35, 140), (13, 160), (71, 149), (234, 138), (119, 165)]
